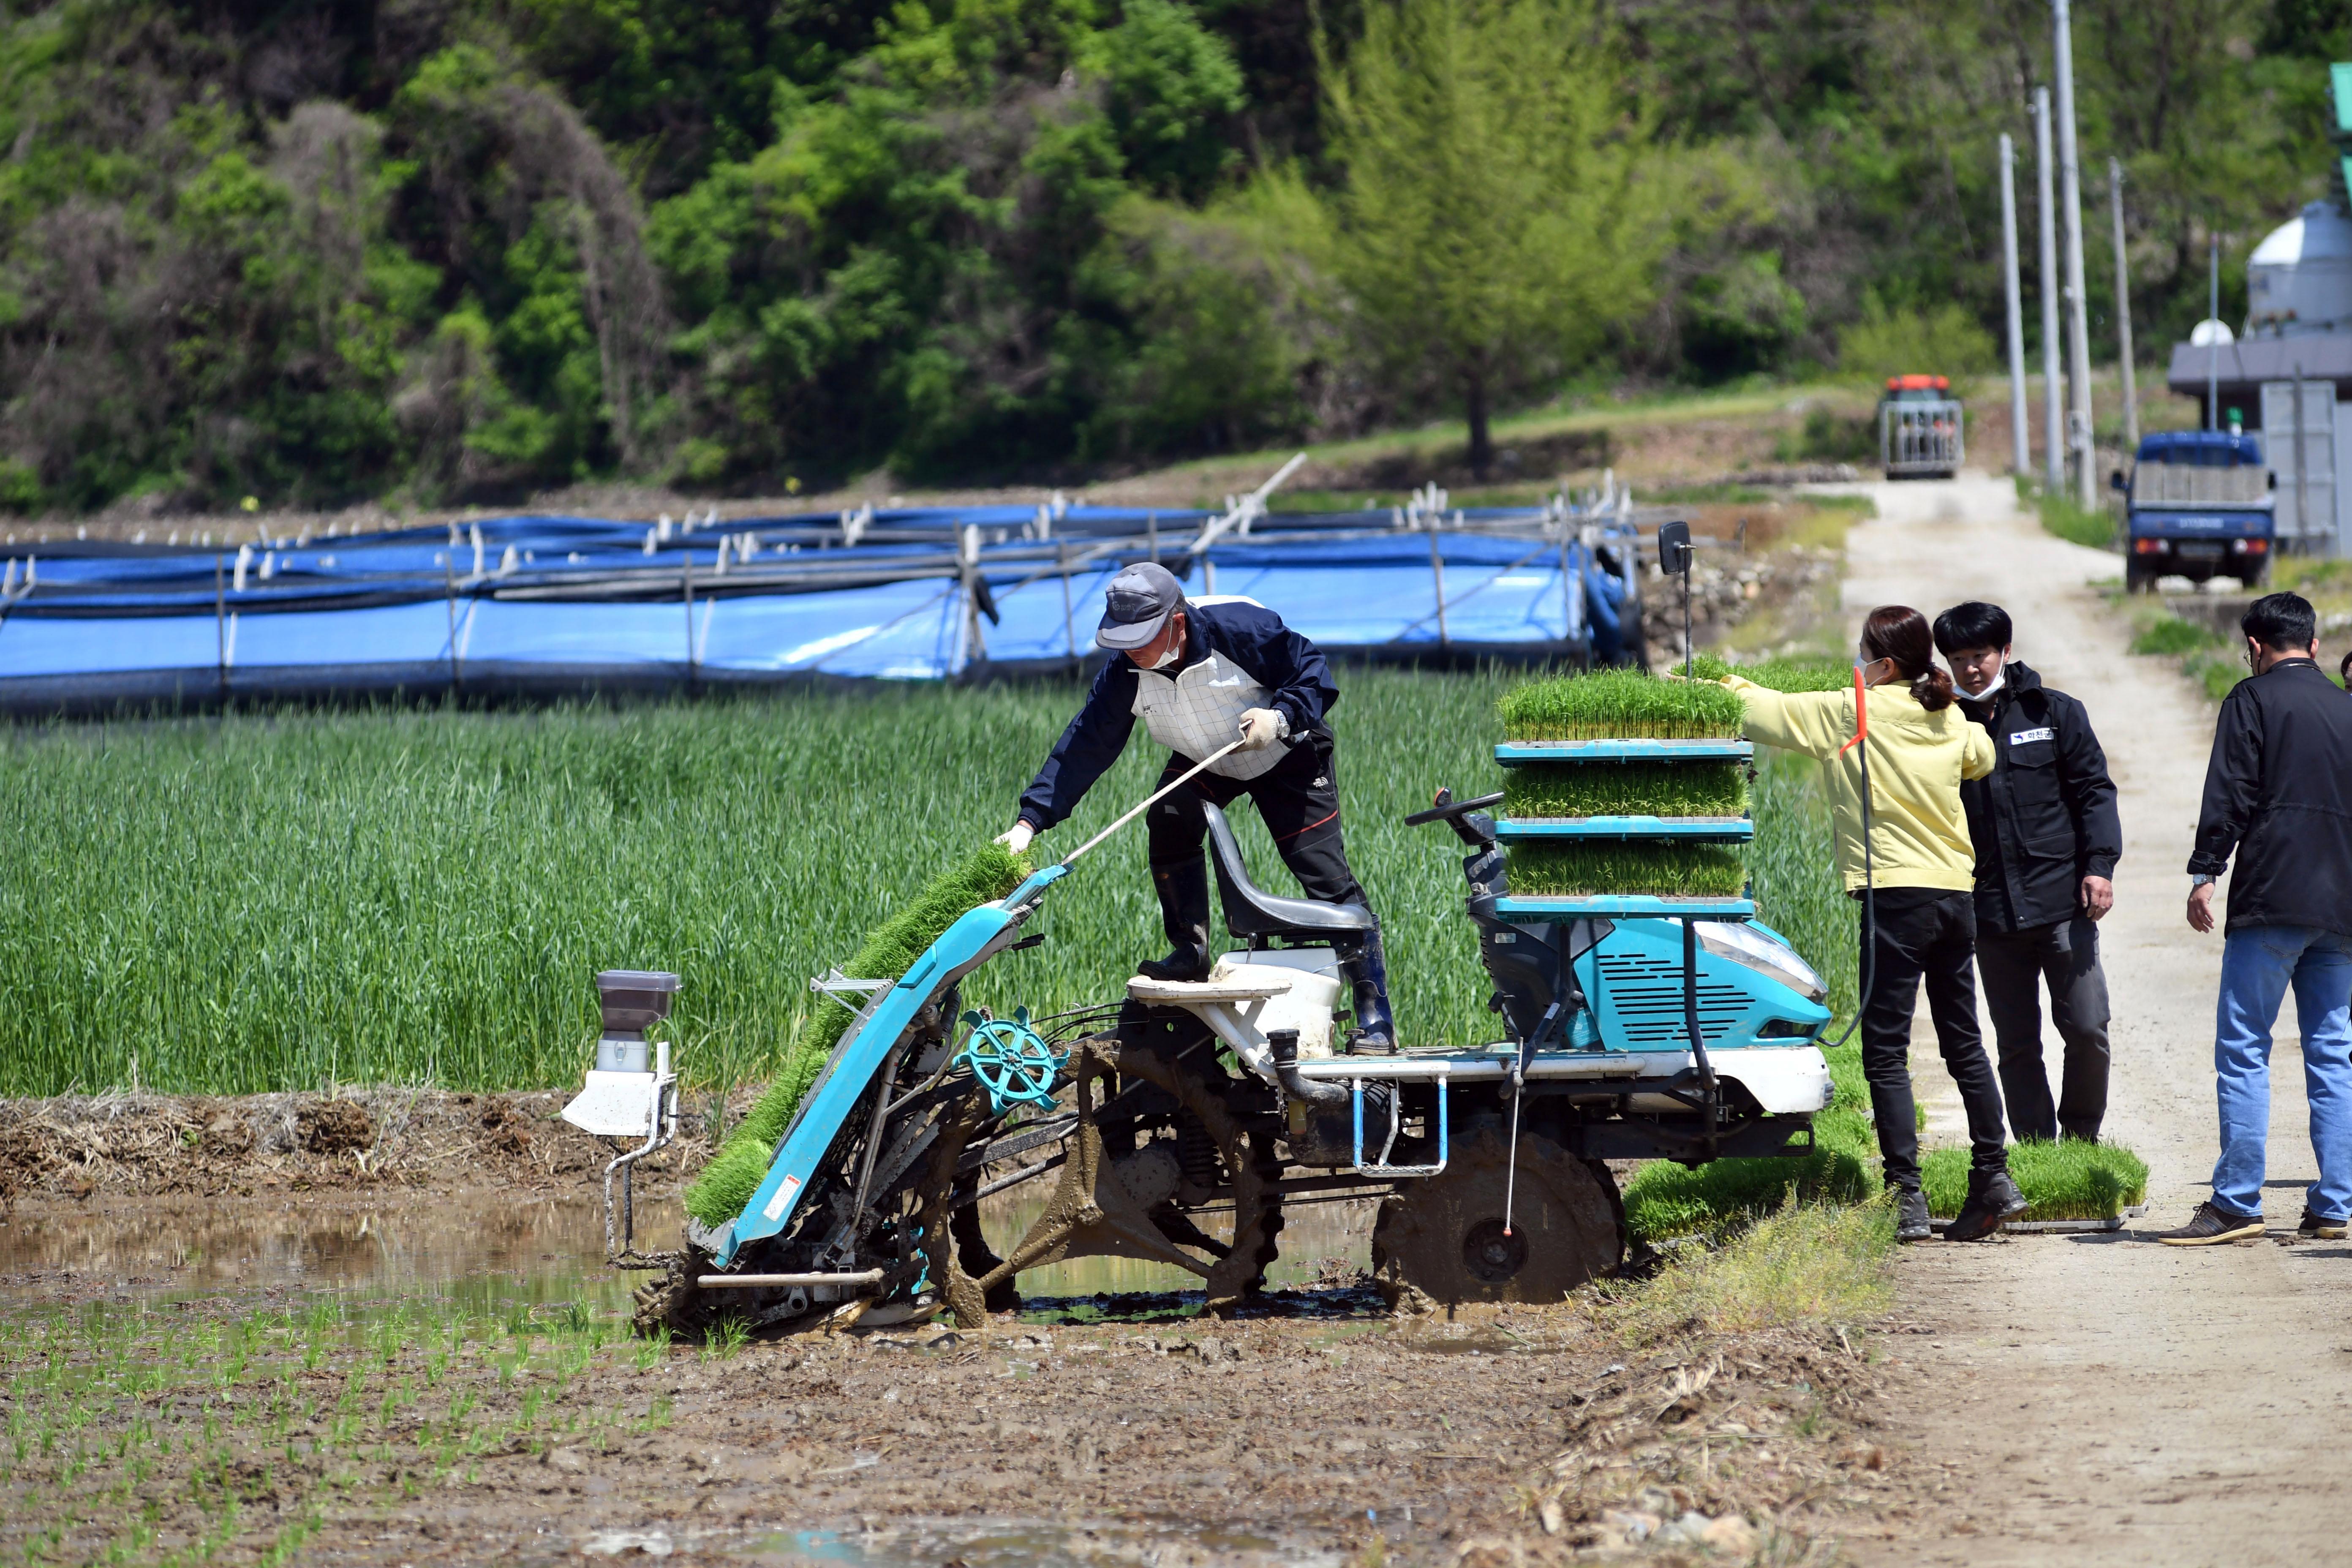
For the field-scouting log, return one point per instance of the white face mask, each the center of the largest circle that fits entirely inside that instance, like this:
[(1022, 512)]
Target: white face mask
[(2000, 680), (1165, 659)]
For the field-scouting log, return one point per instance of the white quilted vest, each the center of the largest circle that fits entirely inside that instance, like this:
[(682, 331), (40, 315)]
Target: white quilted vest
[(1200, 709)]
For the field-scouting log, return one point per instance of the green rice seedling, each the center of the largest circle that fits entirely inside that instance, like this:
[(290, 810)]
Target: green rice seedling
[(1618, 704), (1625, 789), (1579, 870), (728, 1183), (729, 1335), (2066, 1180), (1782, 674)]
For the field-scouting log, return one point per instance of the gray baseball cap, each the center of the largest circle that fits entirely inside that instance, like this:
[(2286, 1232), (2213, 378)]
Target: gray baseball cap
[(1138, 605)]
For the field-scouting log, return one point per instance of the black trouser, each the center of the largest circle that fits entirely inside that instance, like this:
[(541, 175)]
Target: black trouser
[(1299, 800), (2016, 964), (1927, 932)]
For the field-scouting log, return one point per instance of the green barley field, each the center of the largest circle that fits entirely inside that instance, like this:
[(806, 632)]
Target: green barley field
[(286, 900)]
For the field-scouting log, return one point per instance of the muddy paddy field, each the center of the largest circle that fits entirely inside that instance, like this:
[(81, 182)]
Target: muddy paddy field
[(228, 1343)]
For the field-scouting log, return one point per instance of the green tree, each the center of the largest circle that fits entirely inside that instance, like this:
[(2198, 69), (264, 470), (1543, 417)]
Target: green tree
[(1486, 224)]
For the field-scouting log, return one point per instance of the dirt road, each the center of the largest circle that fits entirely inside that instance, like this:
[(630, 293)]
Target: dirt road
[(2107, 1400)]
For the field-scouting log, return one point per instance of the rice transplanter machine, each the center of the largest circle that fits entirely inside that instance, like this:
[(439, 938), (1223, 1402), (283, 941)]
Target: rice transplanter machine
[(1172, 1123)]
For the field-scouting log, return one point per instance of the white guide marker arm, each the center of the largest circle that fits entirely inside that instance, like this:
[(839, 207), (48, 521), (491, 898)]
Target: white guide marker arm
[(1140, 808)]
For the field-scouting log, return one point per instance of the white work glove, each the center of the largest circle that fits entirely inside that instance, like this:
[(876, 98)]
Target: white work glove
[(1016, 837), (1261, 728)]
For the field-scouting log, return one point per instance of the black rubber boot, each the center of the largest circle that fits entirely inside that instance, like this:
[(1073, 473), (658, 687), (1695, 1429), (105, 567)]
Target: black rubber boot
[(1183, 891), (1366, 969), (1911, 1216)]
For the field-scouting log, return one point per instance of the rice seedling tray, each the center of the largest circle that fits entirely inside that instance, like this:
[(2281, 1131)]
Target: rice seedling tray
[(1701, 829), (2056, 1227), (1624, 906), (1512, 753)]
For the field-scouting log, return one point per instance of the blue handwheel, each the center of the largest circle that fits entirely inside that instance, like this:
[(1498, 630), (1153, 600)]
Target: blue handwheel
[(1011, 1060)]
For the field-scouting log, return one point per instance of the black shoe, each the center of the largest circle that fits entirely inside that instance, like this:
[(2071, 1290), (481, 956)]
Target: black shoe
[(2209, 1226), (1366, 969), (1911, 1216), (1992, 1199), (2315, 1229), (1183, 891)]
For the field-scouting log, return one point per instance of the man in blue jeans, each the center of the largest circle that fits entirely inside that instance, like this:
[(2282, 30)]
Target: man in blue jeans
[(2278, 793)]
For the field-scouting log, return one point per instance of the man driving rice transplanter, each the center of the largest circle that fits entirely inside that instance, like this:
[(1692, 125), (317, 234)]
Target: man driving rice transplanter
[(1199, 676)]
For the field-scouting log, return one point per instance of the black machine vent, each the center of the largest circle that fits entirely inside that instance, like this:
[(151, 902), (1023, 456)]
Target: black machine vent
[(1646, 995)]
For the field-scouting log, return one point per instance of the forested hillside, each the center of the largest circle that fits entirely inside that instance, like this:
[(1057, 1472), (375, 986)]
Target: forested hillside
[(465, 250)]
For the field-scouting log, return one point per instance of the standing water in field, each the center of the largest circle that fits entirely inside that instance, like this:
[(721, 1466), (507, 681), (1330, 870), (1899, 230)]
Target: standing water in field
[(486, 1249)]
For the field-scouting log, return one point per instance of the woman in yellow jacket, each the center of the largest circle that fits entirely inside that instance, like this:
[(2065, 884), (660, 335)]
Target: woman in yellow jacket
[(1923, 869)]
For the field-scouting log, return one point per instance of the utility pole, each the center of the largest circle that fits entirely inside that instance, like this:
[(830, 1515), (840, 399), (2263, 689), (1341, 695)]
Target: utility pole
[(2213, 340), (2123, 306), (2078, 331), (2053, 394), (2022, 451)]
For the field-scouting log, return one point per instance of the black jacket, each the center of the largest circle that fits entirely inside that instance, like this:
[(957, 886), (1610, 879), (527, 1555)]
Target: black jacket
[(1291, 668), (2278, 792), (2045, 817)]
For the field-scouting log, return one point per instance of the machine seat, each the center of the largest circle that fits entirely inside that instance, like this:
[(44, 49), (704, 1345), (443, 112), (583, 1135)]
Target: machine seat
[(1254, 915)]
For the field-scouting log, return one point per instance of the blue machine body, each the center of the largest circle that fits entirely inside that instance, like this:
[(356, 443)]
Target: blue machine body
[(1633, 980), (1754, 993), (849, 1075)]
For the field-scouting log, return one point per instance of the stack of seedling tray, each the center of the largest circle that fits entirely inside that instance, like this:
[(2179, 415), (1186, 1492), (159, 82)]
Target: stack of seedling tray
[(1625, 795)]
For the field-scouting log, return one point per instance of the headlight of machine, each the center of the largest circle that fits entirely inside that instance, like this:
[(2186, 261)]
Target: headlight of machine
[(1746, 945)]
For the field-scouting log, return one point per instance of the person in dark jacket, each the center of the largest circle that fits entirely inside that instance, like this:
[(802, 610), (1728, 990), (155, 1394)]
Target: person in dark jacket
[(2278, 796), (2047, 839), (1198, 675)]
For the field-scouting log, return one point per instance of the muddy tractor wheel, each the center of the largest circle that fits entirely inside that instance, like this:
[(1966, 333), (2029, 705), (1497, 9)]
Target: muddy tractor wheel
[(671, 1305), (1442, 1238)]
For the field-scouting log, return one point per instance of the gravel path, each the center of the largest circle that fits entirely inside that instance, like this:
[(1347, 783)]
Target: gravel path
[(2107, 1400)]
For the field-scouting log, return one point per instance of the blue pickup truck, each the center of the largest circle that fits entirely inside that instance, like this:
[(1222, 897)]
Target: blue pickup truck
[(2198, 504)]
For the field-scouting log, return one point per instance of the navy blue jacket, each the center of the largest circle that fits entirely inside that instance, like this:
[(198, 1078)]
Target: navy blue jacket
[(2044, 818), (1289, 667)]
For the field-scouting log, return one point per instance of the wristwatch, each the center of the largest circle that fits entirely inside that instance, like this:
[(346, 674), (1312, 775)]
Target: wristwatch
[(2200, 880)]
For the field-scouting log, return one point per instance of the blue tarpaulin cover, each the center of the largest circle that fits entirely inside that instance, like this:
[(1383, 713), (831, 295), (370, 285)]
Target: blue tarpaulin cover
[(915, 595)]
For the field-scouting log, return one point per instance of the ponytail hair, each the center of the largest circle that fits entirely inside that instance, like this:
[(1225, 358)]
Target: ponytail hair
[(1900, 634)]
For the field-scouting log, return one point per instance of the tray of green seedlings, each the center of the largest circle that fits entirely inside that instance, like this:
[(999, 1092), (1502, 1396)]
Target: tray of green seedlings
[(1624, 794)]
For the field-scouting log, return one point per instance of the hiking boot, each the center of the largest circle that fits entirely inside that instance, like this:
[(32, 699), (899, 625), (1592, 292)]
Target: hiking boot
[(1911, 1216), (2315, 1229), (1183, 891), (2209, 1226), (1993, 1198)]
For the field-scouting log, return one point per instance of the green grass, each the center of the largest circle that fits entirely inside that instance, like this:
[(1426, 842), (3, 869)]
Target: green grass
[(2060, 516), (2172, 635), (1626, 789), (1618, 704), (2065, 1180), (1801, 1263), (279, 900), (1573, 871), (2206, 658)]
